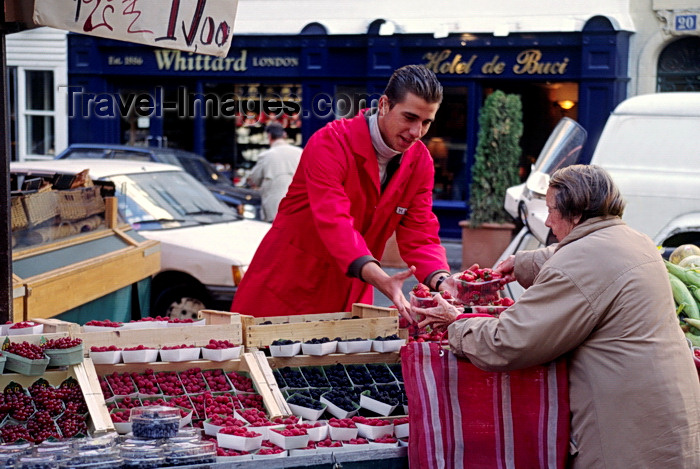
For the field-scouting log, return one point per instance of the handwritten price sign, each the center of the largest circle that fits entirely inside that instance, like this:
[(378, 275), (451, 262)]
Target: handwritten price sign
[(202, 26)]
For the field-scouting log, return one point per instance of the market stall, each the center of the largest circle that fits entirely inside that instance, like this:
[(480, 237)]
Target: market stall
[(147, 366), (71, 255)]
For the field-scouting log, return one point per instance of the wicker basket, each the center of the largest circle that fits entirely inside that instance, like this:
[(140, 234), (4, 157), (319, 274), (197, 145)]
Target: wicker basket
[(18, 215), (76, 204), (40, 206)]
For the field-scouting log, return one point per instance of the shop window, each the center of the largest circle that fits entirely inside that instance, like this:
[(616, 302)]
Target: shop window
[(447, 142), (39, 113), (237, 140), (679, 66)]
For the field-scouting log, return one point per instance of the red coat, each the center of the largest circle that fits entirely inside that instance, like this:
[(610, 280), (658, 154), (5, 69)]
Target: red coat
[(332, 215)]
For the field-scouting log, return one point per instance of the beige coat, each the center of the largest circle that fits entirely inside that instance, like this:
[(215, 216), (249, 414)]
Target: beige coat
[(603, 299)]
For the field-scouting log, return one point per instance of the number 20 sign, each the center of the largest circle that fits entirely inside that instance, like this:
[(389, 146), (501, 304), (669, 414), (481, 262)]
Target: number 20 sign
[(202, 26)]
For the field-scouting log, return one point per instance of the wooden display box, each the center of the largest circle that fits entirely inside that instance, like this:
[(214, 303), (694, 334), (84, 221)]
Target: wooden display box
[(373, 321), (55, 291), (247, 363), (159, 337)]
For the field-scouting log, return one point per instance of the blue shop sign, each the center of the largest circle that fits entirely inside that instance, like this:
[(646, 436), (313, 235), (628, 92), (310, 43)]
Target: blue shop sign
[(524, 62), (167, 61)]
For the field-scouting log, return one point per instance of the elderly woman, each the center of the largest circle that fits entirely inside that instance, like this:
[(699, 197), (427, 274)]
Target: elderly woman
[(602, 299)]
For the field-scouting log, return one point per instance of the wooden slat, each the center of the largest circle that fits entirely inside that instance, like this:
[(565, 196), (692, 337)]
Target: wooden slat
[(63, 289), (213, 317), (262, 387), (159, 337), (334, 358), (56, 325), (226, 366), (262, 362), (263, 335), (86, 376)]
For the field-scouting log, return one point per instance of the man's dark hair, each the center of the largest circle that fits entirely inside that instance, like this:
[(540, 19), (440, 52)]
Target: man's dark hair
[(275, 130), (415, 79)]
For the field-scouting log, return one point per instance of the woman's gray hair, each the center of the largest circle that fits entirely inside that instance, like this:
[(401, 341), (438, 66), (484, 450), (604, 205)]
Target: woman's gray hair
[(416, 79), (586, 190)]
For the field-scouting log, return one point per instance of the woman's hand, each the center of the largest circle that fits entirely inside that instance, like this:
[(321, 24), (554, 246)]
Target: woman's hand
[(438, 317), (507, 268)]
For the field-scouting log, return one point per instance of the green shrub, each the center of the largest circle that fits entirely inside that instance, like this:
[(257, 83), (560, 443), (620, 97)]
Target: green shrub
[(495, 167)]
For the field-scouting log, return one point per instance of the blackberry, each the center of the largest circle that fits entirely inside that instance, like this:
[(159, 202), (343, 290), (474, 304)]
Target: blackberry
[(396, 370), (342, 399), (389, 337), (315, 377), (359, 375), (337, 376), (284, 342), (303, 401), (293, 377), (380, 373)]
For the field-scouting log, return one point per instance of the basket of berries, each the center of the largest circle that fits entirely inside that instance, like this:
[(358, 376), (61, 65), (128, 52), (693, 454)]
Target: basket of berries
[(64, 351), (25, 358), (475, 286)]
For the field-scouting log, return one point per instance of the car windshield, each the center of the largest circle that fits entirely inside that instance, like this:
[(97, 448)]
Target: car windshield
[(194, 164), (167, 199)]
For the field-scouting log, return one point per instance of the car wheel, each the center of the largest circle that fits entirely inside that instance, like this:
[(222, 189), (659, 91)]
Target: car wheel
[(179, 302)]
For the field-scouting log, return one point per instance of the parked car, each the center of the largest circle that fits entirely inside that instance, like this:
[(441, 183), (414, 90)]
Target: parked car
[(205, 244), (649, 147), (246, 201)]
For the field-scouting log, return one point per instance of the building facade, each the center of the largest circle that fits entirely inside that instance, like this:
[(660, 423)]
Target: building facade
[(283, 66)]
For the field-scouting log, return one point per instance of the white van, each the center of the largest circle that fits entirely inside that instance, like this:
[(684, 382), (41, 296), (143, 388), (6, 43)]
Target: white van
[(651, 147)]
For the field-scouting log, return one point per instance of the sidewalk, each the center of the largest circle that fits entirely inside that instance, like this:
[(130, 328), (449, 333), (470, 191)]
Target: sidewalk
[(454, 258)]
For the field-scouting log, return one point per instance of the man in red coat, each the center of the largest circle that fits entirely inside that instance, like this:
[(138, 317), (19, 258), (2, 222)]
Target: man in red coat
[(359, 180)]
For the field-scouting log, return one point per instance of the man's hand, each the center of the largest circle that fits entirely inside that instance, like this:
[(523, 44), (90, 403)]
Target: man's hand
[(390, 286)]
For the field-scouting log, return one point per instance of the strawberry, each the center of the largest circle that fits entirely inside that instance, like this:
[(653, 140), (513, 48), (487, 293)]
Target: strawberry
[(421, 291)]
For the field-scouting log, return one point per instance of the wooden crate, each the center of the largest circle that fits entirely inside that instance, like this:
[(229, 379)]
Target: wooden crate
[(373, 321), (248, 363), (159, 337), (100, 421)]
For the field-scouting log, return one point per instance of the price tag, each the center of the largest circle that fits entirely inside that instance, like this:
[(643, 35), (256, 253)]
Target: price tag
[(201, 26)]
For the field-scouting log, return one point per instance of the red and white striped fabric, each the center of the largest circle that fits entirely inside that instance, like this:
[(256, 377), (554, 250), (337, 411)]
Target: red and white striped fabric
[(463, 417)]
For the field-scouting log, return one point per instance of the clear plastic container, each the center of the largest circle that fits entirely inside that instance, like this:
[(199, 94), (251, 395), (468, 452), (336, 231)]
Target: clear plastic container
[(103, 458), (478, 293), (108, 440), (155, 422), (142, 456), (11, 452), (180, 454), (36, 462)]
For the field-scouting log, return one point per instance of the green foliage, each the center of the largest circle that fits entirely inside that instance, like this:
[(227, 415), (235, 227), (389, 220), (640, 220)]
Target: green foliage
[(497, 156)]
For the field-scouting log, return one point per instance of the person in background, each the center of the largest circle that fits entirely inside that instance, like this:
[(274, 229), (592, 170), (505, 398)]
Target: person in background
[(274, 170), (359, 181), (601, 298)]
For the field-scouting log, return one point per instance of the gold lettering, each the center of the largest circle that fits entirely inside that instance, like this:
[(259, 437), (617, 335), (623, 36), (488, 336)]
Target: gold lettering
[(434, 59), (493, 67), (239, 65), (529, 61)]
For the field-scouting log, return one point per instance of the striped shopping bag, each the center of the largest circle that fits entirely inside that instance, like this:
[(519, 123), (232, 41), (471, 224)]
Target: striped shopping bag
[(463, 417)]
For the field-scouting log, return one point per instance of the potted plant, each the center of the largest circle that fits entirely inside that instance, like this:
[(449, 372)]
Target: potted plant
[(489, 229)]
